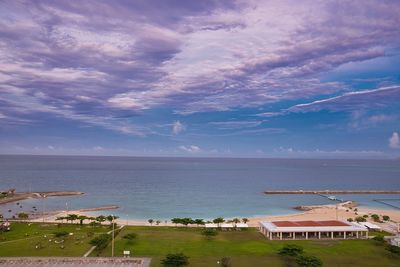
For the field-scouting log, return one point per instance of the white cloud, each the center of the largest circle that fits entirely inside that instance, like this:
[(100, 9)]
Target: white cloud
[(51, 147), (178, 127), (227, 125), (394, 141), (190, 149)]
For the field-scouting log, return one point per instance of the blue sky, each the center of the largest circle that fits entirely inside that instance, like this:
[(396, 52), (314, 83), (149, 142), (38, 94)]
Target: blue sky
[(316, 79)]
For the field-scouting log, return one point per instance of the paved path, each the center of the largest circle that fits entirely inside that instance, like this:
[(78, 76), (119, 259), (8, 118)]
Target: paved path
[(74, 262), (89, 251)]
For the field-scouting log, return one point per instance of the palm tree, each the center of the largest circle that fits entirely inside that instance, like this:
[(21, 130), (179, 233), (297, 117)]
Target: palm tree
[(101, 218), (72, 217), (60, 219), (111, 218), (236, 220), (218, 220), (150, 221), (245, 220), (82, 218), (199, 222)]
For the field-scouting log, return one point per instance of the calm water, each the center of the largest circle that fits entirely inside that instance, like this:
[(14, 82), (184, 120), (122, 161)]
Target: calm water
[(163, 188)]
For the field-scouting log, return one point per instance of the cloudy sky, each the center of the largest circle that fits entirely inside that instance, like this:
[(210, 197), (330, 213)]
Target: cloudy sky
[(200, 78)]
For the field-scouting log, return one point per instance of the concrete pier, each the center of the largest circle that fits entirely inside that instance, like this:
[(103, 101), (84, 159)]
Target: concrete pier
[(330, 192)]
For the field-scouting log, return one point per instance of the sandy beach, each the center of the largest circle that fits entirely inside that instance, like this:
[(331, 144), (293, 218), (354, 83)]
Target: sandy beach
[(318, 212)]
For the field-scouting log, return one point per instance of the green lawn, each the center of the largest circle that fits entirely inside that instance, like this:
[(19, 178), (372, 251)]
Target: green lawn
[(245, 248), (24, 238)]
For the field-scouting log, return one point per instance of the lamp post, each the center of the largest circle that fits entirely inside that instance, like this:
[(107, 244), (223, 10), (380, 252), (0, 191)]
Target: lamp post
[(43, 207), (112, 234)]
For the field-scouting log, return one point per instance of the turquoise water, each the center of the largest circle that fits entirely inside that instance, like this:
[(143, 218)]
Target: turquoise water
[(162, 188)]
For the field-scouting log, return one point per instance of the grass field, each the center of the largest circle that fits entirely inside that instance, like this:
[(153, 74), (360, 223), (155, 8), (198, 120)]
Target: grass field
[(245, 248), (24, 239)]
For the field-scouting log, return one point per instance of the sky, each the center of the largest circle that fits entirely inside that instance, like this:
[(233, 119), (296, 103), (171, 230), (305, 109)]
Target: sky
[(235, 78)]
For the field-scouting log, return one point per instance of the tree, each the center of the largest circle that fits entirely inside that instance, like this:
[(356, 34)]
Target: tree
[(291, 250), (60, 219), (81, 218), (176, 221), (375, 217), (199, 222), (72, 217), (245, 220), (236, 220), (360, 219), (101, 218), (175, 260), (23, 216), (111, 218), (218, 220), (186, 221), (308, 261), (350, 219), (158, 222), (150, 221), (385, 218)]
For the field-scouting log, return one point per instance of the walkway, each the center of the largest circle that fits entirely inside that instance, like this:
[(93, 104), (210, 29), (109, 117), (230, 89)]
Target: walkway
[(75, 262)]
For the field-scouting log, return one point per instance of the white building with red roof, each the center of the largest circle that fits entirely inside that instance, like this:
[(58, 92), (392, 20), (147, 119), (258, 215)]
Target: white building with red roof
[(278, 230)]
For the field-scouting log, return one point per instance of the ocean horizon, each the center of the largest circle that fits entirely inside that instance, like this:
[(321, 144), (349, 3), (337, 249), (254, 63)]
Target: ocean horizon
[(166, 187)]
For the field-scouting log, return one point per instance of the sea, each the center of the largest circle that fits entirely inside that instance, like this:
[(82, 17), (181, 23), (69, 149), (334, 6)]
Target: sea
[(164, 188)]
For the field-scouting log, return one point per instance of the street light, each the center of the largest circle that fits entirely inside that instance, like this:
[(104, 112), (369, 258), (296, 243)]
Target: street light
[(112, 241), (43, 207)]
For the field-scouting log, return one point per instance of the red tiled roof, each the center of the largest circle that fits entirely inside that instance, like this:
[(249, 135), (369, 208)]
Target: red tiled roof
[(308, 223)]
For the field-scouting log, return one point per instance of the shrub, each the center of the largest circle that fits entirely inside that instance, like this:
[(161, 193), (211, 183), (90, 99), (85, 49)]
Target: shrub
[(308, 261), (379, 238), (291, 250), (61, 233), (93, 224), (365, 216), (100, 241), (394, 249), (349, 219), (385, 218), (226, 262), (209, 232), (175, 260), (130, 236)]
